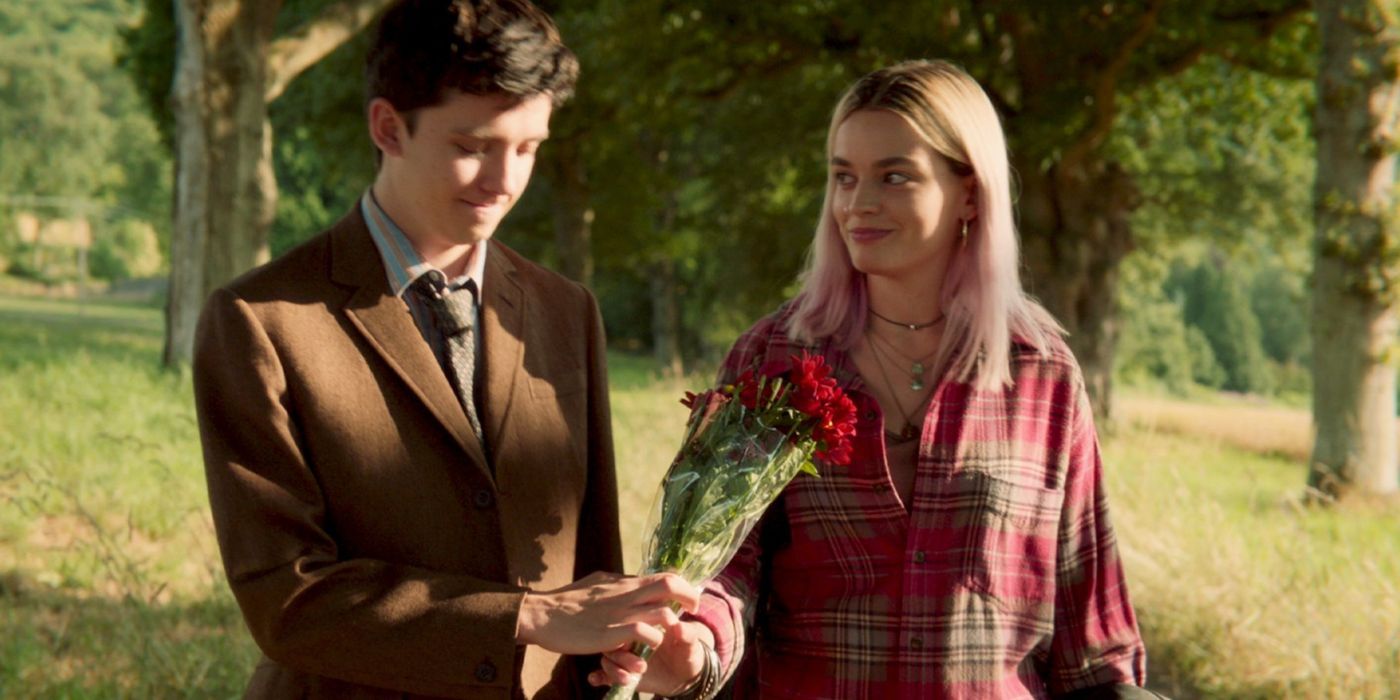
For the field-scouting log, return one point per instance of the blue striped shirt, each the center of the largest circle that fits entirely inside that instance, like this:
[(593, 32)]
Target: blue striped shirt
[(404, 266)]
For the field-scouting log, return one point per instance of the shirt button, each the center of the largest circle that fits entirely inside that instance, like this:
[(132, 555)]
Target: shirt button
[(916, 643), (919, 557), (486, 671), (483, 499)]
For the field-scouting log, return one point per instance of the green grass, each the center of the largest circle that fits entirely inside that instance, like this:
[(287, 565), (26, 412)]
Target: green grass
[(110, 583), (108, 569)]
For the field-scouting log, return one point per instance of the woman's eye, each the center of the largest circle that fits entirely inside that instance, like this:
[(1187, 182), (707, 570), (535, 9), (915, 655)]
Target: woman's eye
[(468, 150), (896, 178), (843, 178)]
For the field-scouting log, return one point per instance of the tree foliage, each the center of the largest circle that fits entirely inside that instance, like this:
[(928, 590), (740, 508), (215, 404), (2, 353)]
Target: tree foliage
[(698, 133), (77, 142)]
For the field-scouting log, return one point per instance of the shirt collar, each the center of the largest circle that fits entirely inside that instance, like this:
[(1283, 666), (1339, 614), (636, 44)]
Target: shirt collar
[(402, 263)]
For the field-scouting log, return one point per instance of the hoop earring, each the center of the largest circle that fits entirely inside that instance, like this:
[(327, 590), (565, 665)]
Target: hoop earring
[(964, 230)]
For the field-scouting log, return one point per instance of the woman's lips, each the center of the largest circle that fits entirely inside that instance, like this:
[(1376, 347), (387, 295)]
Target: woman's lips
[(866, 234)]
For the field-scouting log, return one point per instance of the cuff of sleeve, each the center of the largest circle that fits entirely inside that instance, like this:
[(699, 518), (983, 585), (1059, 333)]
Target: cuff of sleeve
[(716, 613)]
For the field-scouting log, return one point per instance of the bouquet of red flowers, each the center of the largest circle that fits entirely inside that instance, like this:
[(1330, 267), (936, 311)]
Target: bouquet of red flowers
[(743, 444)]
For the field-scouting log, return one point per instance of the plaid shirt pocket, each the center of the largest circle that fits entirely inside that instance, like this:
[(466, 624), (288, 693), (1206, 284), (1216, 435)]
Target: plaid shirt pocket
[(1012, 540)]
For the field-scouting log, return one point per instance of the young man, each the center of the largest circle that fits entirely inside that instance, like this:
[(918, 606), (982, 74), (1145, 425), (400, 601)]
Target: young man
[(406, 430)]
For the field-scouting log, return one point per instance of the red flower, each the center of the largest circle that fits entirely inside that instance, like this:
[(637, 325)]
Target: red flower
[(812, 386), (839, 455), (835, 428), (746, 388)]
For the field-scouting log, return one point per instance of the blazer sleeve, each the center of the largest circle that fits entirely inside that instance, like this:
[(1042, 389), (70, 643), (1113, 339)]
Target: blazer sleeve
[(600, 541), (599, 545), (366, 621)]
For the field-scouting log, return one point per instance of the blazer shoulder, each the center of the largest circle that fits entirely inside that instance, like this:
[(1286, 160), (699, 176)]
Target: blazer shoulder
[(544, 281), (304, 271)]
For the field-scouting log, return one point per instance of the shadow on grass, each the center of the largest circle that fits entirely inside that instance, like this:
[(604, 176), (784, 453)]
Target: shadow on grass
[(57, 643)]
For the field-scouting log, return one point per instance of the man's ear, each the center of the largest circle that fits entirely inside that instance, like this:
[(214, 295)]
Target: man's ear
[(386, 127)]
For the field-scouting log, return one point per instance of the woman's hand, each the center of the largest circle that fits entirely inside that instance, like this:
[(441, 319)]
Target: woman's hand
[(673, 667)]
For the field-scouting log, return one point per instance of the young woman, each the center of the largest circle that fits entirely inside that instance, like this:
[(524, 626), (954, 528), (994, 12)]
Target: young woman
[(966, 551)]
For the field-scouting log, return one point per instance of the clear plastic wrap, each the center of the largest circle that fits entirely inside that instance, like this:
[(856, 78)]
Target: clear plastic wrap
[(743, 444)]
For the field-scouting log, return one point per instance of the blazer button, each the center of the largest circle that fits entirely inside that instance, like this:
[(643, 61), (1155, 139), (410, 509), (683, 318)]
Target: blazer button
[(483, 499), (486, 671)]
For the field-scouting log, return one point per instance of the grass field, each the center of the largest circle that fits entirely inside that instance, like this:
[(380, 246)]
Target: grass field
[(110, 584)]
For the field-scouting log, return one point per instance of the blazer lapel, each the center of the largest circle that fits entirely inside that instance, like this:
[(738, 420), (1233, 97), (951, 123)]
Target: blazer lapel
[(388, 326), (502, 337)]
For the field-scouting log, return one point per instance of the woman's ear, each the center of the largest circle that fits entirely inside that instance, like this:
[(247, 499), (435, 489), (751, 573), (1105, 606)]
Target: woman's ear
[(386, 127), (969, 198)]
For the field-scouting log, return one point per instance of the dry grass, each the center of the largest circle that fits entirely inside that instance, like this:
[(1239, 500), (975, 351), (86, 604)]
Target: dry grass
[(1236, 422), (1242, 591)]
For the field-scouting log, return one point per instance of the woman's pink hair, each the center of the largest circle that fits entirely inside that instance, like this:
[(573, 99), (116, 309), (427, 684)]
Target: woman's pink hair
[(982, 297)]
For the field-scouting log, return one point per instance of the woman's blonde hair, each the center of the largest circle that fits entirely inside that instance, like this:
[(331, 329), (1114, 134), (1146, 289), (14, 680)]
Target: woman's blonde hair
[(982, 297)]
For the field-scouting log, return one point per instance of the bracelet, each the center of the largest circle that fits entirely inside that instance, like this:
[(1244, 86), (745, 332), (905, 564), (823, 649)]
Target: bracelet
[(706, 685)]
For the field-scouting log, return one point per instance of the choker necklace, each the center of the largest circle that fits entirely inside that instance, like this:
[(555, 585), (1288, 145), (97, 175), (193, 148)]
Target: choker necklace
[(910, 326)]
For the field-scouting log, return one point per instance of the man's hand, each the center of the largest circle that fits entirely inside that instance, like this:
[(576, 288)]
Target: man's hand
[(672, 668), (604, 612)]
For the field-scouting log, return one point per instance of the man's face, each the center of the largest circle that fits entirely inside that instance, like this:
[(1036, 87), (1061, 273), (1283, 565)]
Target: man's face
[(464, 166)]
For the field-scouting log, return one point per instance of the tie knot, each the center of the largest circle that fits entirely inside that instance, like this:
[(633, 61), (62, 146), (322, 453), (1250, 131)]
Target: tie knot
[(454, 309)]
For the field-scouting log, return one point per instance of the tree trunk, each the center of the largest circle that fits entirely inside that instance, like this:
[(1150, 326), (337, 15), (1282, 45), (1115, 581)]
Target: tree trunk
[(665, 318), (1357, 250), (665, 302), (573, 213), (1075, 231), (228, 68), (190, 231), (242, 187), (225, 191)]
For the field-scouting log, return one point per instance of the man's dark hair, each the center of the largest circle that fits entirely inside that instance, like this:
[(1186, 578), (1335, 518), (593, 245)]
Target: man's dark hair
[(424, 48)]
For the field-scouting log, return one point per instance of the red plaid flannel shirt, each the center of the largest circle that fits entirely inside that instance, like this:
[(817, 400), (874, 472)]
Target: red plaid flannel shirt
[(1001, 581)]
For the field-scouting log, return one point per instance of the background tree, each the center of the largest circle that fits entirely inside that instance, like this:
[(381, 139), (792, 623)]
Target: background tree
[(725, 108), (76, 141), (684, 179), (1225, 175), (232, 59), (1358, 248)]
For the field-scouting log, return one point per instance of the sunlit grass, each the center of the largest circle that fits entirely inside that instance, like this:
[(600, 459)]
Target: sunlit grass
[(110, 583), (1242, 591)]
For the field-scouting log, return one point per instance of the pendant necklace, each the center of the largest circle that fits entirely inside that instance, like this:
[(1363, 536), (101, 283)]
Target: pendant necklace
[(917, 368), (909, 431)]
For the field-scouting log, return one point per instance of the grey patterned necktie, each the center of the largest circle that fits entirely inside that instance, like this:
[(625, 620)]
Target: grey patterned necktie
[(454, 314)]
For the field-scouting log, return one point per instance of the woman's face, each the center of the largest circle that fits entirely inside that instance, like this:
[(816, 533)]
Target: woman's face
[(897, 203)]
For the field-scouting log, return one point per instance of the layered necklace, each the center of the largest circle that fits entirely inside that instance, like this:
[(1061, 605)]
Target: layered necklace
[(918, 366), (887, 355)]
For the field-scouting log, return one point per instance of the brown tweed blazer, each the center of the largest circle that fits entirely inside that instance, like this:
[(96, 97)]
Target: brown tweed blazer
[(373, 547)]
